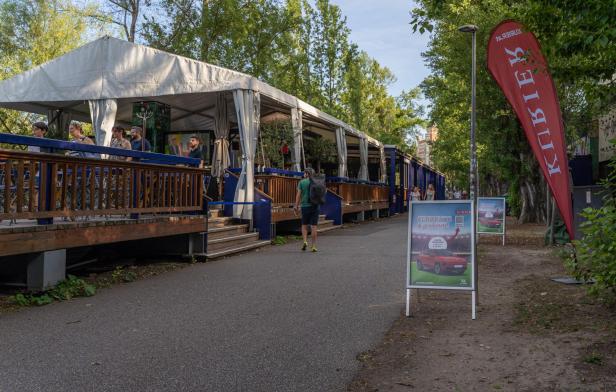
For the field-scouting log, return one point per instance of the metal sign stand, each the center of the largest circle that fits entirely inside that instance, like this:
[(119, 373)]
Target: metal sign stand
[(472, 289)]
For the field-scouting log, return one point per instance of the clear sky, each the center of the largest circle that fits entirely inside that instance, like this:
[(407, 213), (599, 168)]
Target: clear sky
[(382, 29)]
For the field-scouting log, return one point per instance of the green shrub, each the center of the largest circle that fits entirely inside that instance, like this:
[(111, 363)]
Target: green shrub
[(69, 288), (596, 251)]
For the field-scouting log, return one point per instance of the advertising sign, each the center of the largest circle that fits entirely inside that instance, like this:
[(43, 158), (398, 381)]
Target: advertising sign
[(440, 251), (491, 215)]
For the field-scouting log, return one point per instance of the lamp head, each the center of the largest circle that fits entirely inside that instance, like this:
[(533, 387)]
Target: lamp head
[(468, 29)]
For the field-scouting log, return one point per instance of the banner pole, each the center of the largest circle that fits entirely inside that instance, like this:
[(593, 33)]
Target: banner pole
[(474, 305)]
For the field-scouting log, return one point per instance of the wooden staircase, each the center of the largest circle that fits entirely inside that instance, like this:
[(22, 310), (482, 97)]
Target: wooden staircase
[(326, 225), (225, 238)]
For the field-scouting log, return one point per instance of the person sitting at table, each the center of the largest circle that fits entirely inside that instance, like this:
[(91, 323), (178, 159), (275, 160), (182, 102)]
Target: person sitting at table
[(118, 141), (76, 132), (138, 142), (196, 150), (39, 129)]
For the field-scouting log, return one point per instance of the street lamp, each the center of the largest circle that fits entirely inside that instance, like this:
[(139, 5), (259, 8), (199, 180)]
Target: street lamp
[(473, 170)]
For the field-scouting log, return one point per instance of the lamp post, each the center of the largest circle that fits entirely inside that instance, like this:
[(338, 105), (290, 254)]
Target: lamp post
[(473, 169)]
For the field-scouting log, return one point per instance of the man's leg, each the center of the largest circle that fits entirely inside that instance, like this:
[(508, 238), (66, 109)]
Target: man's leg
[(305, 235), (313, 227)]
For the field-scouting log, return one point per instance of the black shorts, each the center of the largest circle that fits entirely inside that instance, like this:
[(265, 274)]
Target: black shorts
[(310, 215)]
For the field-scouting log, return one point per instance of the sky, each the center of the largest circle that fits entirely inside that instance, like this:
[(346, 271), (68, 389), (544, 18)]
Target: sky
[(382, 29)]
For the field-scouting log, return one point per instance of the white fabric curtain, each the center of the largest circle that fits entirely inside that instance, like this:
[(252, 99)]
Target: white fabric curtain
[(363, 159), (383, 164), (58, 122), (298, 142), (248, 111), (103, 114), (220, 157), (341, 145)]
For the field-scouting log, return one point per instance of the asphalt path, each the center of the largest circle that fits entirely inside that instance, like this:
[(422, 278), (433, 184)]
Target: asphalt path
[(274, 320)]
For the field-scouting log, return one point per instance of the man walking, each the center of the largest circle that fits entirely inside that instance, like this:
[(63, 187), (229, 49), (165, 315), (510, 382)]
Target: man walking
[(310, 210)]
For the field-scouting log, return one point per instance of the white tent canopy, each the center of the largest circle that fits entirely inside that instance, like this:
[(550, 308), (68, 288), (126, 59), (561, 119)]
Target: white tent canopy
[(109, 68)]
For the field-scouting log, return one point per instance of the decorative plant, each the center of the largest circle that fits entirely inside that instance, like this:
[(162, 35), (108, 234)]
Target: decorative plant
[(320, 150), (276, 138)]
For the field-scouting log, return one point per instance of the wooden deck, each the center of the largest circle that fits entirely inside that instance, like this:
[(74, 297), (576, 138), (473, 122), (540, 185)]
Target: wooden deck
[(28, 237)]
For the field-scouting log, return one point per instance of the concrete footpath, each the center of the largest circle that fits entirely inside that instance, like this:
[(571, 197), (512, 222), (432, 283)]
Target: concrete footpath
[(274, 320)]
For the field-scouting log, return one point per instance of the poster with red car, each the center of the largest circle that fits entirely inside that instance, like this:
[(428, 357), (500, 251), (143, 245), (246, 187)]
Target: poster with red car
[(440, 245), (491, 215)]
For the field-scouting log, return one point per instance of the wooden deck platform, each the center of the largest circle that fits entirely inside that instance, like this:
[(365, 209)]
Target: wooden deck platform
[(26, 236)]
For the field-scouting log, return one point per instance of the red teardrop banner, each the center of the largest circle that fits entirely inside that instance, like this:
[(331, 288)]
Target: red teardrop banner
[(516, 63)]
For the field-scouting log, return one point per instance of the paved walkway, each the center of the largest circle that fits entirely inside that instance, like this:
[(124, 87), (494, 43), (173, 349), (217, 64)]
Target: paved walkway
[(273, 320)]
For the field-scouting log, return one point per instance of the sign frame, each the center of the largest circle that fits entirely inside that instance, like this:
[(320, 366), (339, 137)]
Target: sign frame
[(503, 234), (474, 276)]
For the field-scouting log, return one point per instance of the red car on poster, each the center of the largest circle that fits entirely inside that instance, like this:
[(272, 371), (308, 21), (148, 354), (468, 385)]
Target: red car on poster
[(490, 222), (441, 261)]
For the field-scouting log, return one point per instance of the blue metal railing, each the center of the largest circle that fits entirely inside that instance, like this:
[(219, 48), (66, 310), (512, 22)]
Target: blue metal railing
[(143, 157)]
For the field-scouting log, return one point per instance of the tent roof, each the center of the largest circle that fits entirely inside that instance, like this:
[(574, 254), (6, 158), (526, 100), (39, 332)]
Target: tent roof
[(109, 68)]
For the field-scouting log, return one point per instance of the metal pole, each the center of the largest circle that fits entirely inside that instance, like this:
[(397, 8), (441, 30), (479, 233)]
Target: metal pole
[(474, 167), (473, 190)]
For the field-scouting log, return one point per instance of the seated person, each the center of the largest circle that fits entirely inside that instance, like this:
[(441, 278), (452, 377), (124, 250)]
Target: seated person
[(39, 129), (76, 132), (138, 142), (196, 150), (118, 141)]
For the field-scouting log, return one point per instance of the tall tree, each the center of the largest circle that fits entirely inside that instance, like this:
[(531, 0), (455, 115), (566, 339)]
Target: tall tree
[(125, 13), (33, 32)]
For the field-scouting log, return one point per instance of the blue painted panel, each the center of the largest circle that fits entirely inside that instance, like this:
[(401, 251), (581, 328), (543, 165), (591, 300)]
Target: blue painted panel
[(230, 183), (262, 218), (333, 208)]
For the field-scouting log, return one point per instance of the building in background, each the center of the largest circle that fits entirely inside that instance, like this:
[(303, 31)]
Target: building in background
[(424, 145)]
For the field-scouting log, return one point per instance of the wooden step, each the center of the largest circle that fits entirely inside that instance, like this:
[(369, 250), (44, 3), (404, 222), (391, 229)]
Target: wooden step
[(325, 223), (215, 233), (232, 241), (328, 228), (229, 251), (216, 213), (219, 222)]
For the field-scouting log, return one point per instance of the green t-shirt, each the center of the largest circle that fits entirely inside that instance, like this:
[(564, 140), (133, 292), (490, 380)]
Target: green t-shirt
[(304, 188)]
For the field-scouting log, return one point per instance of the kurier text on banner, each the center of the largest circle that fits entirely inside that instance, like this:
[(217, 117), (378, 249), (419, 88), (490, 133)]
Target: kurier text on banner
[(516, 63)]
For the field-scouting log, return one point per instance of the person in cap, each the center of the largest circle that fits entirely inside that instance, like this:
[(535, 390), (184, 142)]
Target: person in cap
[(309, 211)]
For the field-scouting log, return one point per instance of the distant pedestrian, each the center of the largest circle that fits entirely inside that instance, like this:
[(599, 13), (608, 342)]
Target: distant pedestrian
[(309, 207), (416, 194), (430, 193)]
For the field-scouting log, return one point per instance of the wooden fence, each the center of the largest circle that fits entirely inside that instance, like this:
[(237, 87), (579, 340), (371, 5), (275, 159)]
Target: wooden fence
[(37, 185)]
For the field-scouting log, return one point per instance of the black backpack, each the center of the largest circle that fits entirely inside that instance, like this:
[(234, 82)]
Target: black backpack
[(318, 190)]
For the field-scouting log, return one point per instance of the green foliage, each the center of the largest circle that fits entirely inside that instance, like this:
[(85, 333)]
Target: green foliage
[(273, 136), (280, 240), (121, 275), (69, 288), (320, 150), (32, 33), (302, 47), (596, 251)]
